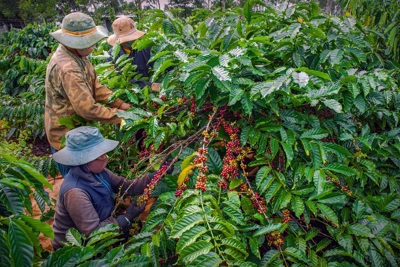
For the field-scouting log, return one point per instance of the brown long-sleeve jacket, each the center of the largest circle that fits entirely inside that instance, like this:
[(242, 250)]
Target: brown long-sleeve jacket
[(72, 88), (76, 210)]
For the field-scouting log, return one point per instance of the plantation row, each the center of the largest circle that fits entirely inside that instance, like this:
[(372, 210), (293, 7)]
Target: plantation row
[(283, 128)]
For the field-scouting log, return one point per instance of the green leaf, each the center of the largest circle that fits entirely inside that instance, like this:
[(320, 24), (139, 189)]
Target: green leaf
[(235, 214), (187, 160), (42, 227), (340, 168), (185, 223), (11, 200), (214, 161), (319, 179), (298, 254), (301, 78), (210, 259), (20, 245), (165, 65), (132, 97), (263, 180), (314, 73), (194, 250), (235, 96), (328, 213), (315, 133), (376, 258), (335, 56), (338, 150), (4, 250), (159, 140), (247, 205), (289, 153), (254, 247), (358, 229), (29, 169), (297, 206), (269, 257), (244, 135), (247, 10), (153, 127), (67, 256), (346, 241), (235, 244), (74, 237), (247, 104), (360, 104), (235, 183), (311, 206), (190, 237), (333, 104), (268, 229), (322, 244), (311, 233), (264, 88), (221, 74), (274, 147)]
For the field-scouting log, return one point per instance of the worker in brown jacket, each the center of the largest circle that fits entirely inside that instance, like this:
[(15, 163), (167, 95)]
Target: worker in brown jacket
[(71, 83), (86, 199)]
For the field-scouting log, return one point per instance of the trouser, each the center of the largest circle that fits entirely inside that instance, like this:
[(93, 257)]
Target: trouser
[(63, 169)]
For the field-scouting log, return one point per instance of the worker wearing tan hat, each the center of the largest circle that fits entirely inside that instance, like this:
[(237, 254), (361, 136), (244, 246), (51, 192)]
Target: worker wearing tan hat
[(71, 83), (126, 33)]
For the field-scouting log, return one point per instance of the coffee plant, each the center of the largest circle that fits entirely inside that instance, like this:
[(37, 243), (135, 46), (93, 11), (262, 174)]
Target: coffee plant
[(23, 56), (19, 232), (283, 127)]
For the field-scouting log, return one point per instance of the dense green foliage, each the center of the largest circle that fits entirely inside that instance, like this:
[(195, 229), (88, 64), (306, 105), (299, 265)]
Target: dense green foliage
[(297, 116), (19, 232), (382, 16), (23, 64), (284, 131)]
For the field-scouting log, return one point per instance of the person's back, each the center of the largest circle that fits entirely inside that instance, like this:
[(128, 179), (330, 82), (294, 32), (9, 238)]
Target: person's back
[(71, 83), (125, 33)]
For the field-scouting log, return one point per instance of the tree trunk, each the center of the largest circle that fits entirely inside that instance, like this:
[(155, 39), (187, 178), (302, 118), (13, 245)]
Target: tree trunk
[(328, 7)]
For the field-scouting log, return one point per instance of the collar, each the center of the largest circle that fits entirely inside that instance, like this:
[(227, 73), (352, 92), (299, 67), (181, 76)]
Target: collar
[(126, 49)]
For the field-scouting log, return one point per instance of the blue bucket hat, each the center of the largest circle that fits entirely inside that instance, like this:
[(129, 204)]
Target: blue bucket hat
[(83, 144), (79, 31)]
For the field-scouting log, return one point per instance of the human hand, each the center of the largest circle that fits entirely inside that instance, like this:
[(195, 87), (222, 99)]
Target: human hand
[(155, 87), (125, 106), (133, 210)]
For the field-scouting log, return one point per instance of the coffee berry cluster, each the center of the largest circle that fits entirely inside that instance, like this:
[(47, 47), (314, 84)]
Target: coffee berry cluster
[(153, 183), (344, 189), (201, 161), (258, 202), (275, 239)]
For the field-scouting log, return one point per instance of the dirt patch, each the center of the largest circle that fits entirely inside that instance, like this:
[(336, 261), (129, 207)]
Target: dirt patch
[(40, 147), (53, 194)]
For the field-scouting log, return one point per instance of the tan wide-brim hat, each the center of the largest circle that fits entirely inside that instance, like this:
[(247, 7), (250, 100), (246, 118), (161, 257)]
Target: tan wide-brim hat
[(79, 31), (124, 31)]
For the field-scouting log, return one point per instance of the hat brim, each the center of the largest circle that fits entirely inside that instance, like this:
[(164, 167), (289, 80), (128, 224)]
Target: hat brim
[(112, 39), (80, 42), (75, 158)]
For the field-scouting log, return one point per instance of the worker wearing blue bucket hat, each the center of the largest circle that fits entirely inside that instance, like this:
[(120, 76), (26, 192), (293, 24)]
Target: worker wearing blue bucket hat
[(86, 199)]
